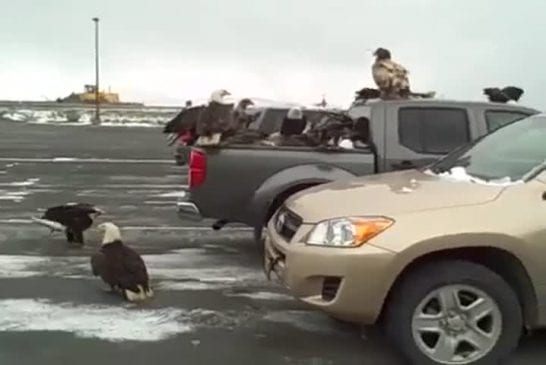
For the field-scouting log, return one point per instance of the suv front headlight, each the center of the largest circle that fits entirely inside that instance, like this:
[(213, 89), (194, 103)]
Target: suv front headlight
[(348, 231)]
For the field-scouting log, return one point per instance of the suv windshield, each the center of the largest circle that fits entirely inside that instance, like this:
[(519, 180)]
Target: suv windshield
[(510, 153)]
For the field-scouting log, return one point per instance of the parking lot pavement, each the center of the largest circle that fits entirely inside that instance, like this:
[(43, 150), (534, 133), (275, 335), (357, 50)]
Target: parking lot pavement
[(212, 304)]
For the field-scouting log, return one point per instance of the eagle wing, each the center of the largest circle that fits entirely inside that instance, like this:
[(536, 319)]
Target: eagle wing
[(134, 270), (215, 118), (381, 76), (388, 74), (185, 120)]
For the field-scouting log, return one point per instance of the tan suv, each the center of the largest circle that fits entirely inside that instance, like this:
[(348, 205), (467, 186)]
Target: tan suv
[(449, 259)]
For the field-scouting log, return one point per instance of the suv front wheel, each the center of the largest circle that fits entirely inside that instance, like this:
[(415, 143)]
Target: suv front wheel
[(454, 312)]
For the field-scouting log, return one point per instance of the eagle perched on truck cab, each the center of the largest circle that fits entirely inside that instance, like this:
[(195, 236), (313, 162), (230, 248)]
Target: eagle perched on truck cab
[(390, 77), (121, 267)]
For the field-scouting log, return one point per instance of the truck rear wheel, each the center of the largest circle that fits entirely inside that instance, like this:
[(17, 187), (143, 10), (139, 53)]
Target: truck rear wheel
[(454, 312)]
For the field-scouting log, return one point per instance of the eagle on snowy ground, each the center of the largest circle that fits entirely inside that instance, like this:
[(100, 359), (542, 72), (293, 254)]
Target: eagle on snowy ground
[(73, 218), (121, 267)]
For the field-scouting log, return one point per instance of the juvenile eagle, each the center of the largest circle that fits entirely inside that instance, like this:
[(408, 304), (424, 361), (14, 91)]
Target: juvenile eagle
[(390, 77), (121, 267), (74, 218)]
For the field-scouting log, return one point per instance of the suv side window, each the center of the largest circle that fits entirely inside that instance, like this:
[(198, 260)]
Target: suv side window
[(433, 130), (498, 118)]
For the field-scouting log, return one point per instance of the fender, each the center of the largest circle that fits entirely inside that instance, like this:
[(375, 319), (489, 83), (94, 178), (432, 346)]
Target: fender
[(456, 245), (284, 180)]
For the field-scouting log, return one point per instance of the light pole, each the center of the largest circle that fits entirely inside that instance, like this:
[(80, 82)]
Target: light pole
[(97, 101)]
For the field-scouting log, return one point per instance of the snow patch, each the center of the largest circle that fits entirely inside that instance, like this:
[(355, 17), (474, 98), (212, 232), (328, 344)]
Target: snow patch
[(188, 286), (459, 173), (134, 117), (23, 266), (263, 295), (111, 323), (13, 198), (27, 182), (20, 266)]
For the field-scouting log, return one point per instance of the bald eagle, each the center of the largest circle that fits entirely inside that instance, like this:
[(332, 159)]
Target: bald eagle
[(121, 267), (241, 119), (73, 218), (215, 119), (210, 123), (390, 77)]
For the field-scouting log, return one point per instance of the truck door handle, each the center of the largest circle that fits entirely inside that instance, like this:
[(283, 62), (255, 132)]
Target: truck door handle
[(403, 165)]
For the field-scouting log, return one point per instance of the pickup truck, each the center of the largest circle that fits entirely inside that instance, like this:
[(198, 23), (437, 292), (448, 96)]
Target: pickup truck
[(246, 184)]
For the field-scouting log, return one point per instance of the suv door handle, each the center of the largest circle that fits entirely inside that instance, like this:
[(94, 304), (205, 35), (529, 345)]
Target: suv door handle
[(403, 165)]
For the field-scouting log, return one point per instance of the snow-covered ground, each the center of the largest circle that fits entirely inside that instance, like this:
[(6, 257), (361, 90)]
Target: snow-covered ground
[(141, 117)]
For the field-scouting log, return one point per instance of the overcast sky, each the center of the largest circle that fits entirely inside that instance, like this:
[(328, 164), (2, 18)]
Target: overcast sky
[(166, 51)]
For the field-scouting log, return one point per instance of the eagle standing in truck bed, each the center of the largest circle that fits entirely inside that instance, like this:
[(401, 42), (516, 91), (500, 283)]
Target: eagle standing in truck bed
[(121, 267), (215, 119)]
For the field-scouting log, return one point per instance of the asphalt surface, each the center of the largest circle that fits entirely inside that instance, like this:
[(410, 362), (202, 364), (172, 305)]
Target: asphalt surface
[(212, 304)]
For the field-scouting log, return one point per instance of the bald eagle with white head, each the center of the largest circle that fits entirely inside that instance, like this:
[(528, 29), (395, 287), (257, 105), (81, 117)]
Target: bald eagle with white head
[(215, 119), (390, 77), (121, 267)]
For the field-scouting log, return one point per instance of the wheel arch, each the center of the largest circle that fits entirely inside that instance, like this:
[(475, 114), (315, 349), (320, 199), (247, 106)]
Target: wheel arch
[(504, 263)]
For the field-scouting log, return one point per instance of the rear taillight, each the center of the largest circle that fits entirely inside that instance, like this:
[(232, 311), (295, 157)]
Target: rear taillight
[(198, 168)]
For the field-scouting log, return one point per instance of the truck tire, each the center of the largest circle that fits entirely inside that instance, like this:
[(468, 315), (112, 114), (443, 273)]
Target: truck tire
[(453, 312), (277, 202)]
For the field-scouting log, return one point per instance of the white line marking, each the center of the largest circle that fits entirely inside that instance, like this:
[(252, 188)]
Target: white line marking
[(79, 160), (141, 228), (101, 187)]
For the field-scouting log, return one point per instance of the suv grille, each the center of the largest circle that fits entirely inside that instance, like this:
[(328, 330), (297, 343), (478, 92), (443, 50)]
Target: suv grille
[(287, 223), (330, 286)]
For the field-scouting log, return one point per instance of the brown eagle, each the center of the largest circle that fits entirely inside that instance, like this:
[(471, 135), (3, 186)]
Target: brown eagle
[(74, 219), (390, 77), (121, 267)]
